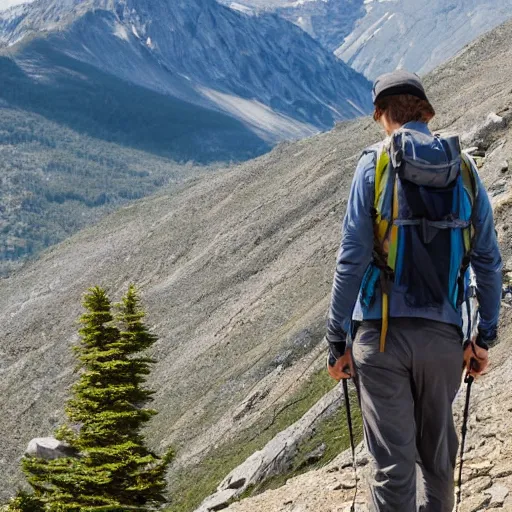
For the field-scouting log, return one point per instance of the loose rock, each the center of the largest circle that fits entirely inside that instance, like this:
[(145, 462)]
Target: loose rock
[(498, 495), (475, 503), (49, 448)]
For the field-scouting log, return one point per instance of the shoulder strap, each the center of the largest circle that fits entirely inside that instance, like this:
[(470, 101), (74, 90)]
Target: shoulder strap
[(470, 186), (385, 232), (468, 176)]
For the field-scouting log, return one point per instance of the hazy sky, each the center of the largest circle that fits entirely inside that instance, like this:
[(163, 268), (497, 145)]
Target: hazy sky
[(4, 4)]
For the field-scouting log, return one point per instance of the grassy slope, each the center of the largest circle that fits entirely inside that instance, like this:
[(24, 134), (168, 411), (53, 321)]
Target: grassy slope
[(192, 484)]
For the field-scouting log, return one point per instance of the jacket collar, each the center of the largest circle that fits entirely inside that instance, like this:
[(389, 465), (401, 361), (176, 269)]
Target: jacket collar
[(417, 126)]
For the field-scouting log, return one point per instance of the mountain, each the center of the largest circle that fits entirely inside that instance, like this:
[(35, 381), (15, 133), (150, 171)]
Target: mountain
[(327, 21), (235, 269), (77, 142), (417, 35), (104, 101), (376, 36), (260, 70)]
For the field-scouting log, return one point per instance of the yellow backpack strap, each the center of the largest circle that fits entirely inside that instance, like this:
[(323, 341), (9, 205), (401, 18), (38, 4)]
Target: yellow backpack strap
[(469, 182), (385, 232)]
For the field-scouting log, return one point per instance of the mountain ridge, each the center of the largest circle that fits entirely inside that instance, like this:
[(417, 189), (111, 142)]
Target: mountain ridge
[(212, 56), (376, 37), (192, 82)]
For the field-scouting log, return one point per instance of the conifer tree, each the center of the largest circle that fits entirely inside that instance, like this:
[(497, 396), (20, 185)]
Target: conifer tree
[(115, 471)]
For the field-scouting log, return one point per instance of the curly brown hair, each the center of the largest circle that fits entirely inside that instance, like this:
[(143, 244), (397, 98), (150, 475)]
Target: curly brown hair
[(404, 108)]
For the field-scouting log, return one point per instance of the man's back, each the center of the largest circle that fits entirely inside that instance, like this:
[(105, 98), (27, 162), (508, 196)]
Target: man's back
[(357, 249)]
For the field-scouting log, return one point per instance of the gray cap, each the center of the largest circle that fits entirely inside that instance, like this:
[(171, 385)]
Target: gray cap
[(398, 82)]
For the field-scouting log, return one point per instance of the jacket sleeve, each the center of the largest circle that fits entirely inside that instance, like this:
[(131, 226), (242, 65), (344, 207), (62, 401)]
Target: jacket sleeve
[(486, 263), (355, 251)]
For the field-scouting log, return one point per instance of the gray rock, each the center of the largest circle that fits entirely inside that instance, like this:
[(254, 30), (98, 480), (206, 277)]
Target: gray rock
[(498, 187), (475, 503), (49, 448), (481, 135), (498, 495), (275, 456), (501, 470), (477, 485), (217, 501), (316, 454), (479, 468)]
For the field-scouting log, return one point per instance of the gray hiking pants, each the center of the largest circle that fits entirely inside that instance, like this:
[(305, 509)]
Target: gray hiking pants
[(406, 396)]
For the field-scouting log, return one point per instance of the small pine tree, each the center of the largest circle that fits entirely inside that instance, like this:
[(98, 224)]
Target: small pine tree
[(115, 471)]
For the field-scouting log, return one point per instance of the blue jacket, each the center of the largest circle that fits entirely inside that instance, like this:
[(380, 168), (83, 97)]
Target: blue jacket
[(355, 255)]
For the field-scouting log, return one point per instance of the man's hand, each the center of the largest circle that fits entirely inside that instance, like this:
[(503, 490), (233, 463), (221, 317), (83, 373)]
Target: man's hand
[(343, 368), (476, 358)]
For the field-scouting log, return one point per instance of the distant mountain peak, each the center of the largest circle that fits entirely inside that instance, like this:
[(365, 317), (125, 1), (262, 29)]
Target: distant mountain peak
[(377, 36)]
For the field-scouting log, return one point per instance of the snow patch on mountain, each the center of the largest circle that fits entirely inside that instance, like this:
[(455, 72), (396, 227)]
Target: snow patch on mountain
[(241, 8), (6, 4), (121, 32)]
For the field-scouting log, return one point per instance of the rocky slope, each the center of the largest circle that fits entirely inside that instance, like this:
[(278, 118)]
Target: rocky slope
[(487, 470), (235, 270)]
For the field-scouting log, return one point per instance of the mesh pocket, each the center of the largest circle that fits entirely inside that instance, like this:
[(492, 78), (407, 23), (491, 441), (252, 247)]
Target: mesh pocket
[(424, 268)]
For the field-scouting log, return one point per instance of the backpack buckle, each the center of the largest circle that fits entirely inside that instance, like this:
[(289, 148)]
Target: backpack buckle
[(428, 231)]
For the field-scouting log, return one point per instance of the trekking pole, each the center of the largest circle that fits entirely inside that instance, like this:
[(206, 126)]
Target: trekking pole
[(469, 381), (351, 435), (473, 312)]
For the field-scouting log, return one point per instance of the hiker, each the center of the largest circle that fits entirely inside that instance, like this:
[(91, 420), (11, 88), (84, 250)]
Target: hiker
[(417, 216)]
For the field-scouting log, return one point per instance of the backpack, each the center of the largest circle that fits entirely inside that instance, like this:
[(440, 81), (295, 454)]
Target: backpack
[(423, 227)]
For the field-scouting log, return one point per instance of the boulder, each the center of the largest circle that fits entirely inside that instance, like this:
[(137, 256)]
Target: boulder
[(483, 134), (217, 501), (498, 495), (49, 448)]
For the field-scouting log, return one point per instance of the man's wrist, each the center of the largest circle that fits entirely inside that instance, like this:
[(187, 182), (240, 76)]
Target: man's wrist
[(481, 343), (486, 337), (337, 349), (337, 340)]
